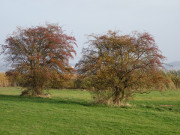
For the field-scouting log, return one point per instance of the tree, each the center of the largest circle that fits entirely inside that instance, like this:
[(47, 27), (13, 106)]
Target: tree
[(3, 80), (14, 78), (38, 54), (175, 77), (119, 65)]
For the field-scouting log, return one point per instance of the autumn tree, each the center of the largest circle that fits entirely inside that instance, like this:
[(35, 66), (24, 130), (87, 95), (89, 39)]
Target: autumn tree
[(14, 78), (120, 65), (40, 54), (175, 77), (3, 80)]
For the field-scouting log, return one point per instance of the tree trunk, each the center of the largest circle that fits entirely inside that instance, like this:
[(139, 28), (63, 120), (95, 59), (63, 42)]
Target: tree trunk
[(122, 97), (116, 100), (118, 96), (37, 90)]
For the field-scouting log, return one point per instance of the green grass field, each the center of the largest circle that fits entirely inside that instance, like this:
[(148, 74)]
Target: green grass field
[(73, 112)]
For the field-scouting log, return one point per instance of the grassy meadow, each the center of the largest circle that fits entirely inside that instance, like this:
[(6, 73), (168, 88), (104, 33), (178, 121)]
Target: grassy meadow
[(73, 112)]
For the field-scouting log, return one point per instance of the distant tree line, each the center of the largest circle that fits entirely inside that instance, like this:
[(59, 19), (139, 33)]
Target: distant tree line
[(12, 79), (4, 82)]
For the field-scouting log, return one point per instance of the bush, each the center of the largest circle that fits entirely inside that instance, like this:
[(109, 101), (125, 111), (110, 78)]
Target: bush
[(3, 80)]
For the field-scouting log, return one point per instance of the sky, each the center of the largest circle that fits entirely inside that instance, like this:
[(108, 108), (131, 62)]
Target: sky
[(79, 18)]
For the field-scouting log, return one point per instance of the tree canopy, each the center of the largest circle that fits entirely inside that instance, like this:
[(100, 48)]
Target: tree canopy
[(40, 54), (119, 65)]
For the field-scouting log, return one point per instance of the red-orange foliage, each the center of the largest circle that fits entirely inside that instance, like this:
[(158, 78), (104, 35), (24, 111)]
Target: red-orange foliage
[(38, 53), (120, 65)]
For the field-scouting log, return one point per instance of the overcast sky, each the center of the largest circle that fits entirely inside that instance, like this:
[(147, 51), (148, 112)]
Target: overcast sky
[(161, 18)]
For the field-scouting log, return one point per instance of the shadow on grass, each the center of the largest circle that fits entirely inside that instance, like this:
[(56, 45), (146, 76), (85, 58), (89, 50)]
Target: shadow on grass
[(17, 98), (44, 100)]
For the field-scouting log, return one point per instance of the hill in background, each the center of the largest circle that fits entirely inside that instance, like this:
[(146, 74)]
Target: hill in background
[(173, 65)]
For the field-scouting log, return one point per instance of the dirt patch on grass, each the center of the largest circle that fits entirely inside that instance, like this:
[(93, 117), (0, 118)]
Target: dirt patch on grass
[(166, 105)]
